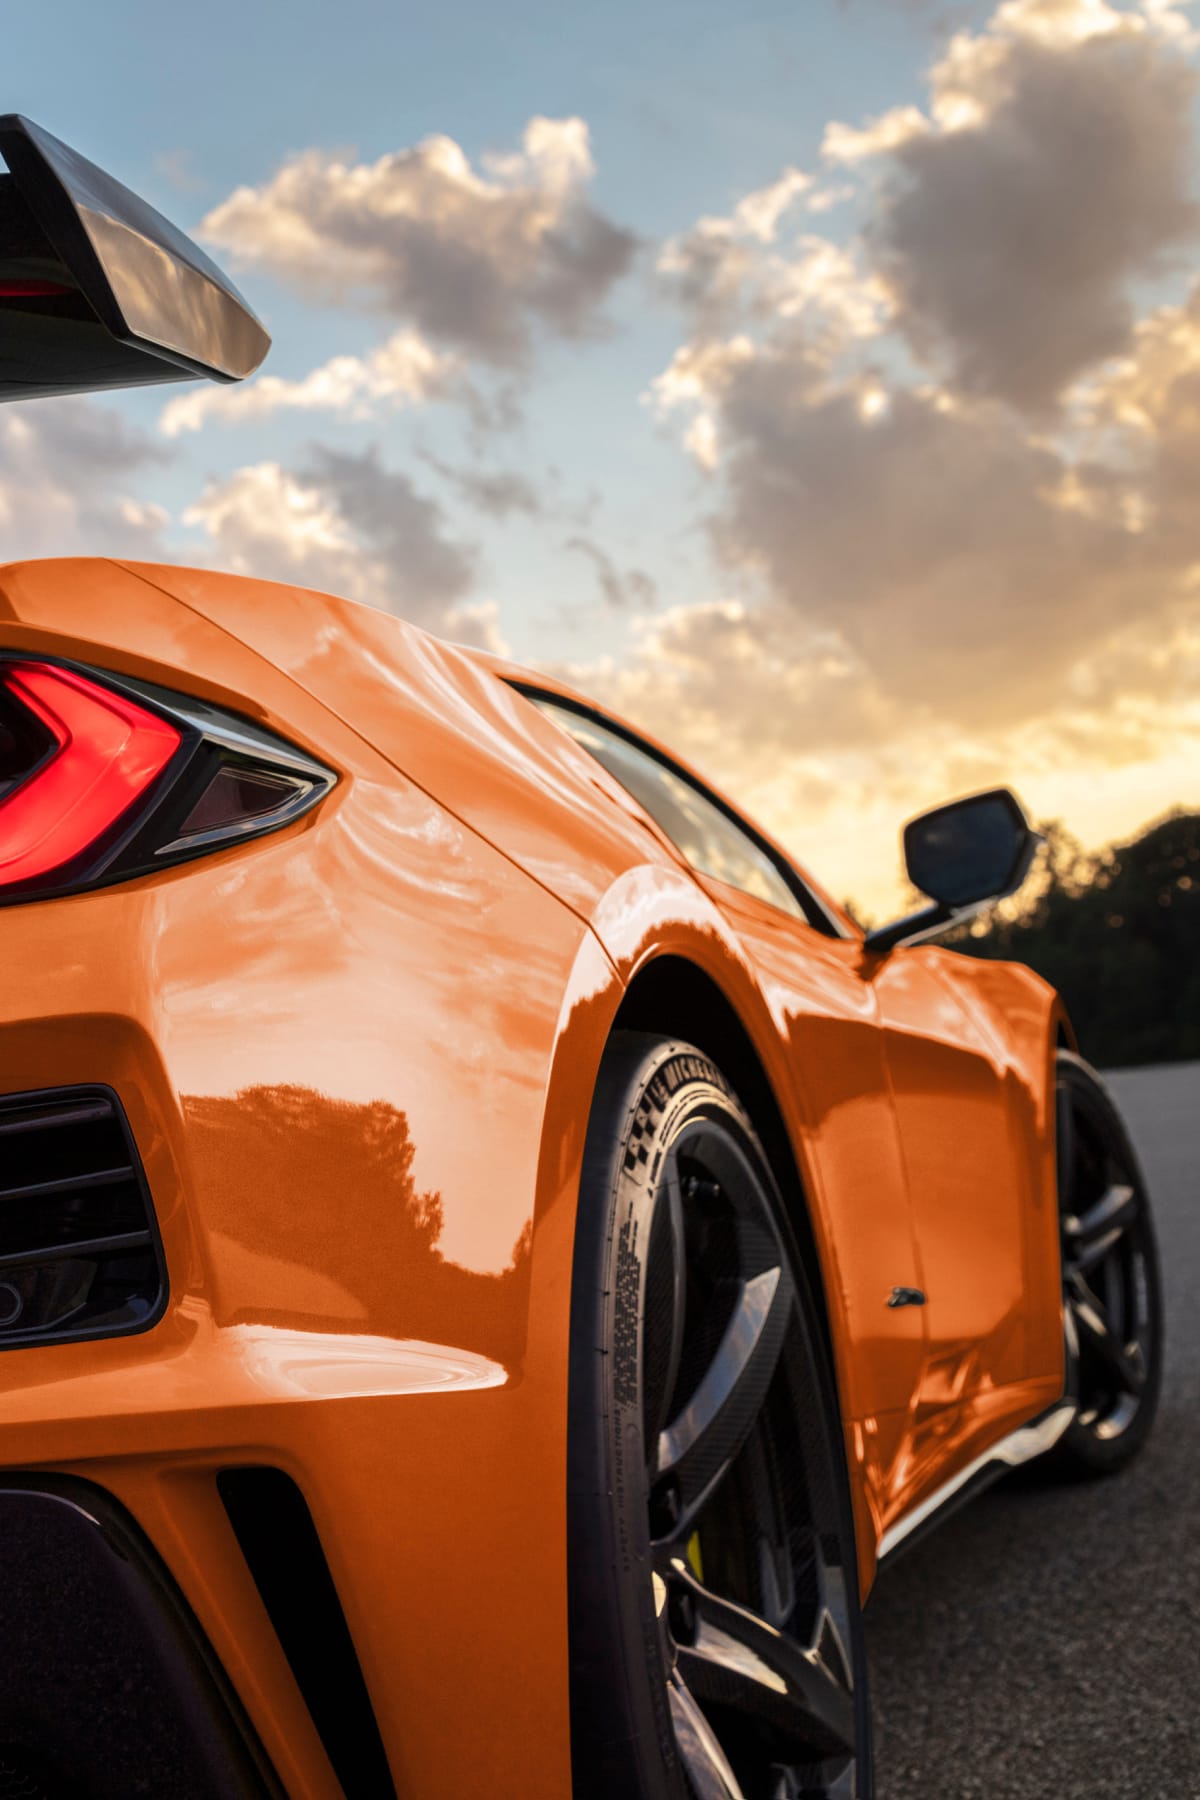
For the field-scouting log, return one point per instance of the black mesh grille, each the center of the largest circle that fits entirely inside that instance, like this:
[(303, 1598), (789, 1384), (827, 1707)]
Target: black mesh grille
[(79, 1249)]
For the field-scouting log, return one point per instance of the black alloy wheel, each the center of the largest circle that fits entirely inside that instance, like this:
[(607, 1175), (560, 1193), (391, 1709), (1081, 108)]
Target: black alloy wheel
[(716, 1640), (1112, 1287)]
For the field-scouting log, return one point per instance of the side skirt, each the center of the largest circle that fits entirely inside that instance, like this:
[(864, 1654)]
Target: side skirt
[(1020, 1446)]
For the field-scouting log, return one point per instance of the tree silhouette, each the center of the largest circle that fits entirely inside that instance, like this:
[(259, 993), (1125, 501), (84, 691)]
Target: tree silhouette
[(1118, 934)]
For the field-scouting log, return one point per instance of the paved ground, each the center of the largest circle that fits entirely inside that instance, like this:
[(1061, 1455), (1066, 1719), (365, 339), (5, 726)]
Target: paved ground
[(1045, 1643)]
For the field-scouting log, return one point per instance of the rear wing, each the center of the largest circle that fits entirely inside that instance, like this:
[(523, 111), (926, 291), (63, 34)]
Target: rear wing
[(97, 289)]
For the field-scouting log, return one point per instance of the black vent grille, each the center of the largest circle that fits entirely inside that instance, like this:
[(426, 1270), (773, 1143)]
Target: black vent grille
[(79, 1250), (279, 1541)]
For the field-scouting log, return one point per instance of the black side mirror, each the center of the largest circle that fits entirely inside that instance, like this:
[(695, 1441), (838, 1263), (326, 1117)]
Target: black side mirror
[(962, 855), (97, 290)]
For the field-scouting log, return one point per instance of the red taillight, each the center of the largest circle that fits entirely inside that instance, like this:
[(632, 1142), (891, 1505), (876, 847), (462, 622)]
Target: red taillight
[(105, 777), (109, 752)]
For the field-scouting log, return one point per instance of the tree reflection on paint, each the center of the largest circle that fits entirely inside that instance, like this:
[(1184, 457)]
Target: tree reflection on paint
[(316, 1223)]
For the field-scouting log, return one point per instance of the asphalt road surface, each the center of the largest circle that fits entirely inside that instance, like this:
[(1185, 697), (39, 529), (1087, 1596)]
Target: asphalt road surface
[(1045, 1642)]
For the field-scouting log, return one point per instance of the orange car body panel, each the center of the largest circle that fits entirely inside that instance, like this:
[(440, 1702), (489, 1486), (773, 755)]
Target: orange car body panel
[(358, 1058)]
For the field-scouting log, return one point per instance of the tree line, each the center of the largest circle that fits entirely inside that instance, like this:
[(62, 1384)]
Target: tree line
[(1118, 934)]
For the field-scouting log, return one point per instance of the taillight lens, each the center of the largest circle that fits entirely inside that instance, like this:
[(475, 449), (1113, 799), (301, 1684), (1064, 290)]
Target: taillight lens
[(103, 778), (107, 752)]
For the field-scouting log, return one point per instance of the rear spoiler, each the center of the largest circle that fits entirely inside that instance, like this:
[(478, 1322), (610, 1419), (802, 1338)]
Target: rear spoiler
[(97, 290)]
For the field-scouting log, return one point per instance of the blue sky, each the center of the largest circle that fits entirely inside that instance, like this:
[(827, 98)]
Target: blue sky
[(862, 499)]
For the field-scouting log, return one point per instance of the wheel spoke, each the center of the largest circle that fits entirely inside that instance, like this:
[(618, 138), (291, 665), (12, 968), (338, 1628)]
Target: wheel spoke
[(1091, 1235), (1123, 1362), (713, 1424), (707, 1768), (736, 1660)]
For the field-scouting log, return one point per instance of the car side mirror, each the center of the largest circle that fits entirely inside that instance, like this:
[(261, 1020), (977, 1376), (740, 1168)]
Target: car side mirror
[(962, 855), (97, 290)]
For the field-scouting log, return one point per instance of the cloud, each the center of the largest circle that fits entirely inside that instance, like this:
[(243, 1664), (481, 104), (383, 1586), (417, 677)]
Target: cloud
[(1142, 392), (850, 144), (1055, 171), (349, 525), (621, 589), (743, 266), (1140, 415), (475, 258), (404, 371), (962, 562), (496, 492), (758, 214), (696, 667), (69, 474), (954, 572)]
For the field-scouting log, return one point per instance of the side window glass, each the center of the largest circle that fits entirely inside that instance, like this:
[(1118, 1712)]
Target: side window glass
[(711, 841)]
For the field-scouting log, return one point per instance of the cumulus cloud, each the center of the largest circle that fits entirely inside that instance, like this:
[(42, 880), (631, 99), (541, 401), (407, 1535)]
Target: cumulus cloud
[(758, 214), (854, 144), (697, 666), (744, 265), (404, 371), (960, 561), (349, 525), (475, 258), (960, 508), (69, 475), (1054, 172)]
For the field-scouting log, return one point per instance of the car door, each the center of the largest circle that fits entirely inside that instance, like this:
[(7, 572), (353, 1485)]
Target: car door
[(954, 1096), (854, 1172)]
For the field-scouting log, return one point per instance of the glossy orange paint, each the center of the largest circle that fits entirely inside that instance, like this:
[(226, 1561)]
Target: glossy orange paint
[(358, 1058)]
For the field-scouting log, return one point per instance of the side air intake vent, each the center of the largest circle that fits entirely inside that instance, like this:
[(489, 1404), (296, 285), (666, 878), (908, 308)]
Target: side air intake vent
[(79, 1249), (279, 1541)]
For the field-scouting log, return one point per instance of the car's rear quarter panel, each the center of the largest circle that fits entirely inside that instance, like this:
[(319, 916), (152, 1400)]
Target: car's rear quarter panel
[(357, 1058)]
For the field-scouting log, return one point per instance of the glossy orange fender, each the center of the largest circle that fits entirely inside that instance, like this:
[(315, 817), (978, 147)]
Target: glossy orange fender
[(357, 1058)]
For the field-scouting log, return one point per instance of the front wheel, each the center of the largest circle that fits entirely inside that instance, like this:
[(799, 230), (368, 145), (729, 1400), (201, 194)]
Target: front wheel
[(1112, 1287), (716, 1640)]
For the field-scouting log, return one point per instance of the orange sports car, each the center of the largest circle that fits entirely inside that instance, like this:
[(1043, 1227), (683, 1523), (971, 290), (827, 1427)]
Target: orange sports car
[(492, 1259)]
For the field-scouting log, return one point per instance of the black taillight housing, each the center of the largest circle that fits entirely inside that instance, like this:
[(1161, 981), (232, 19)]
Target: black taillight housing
[(104, 777)]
